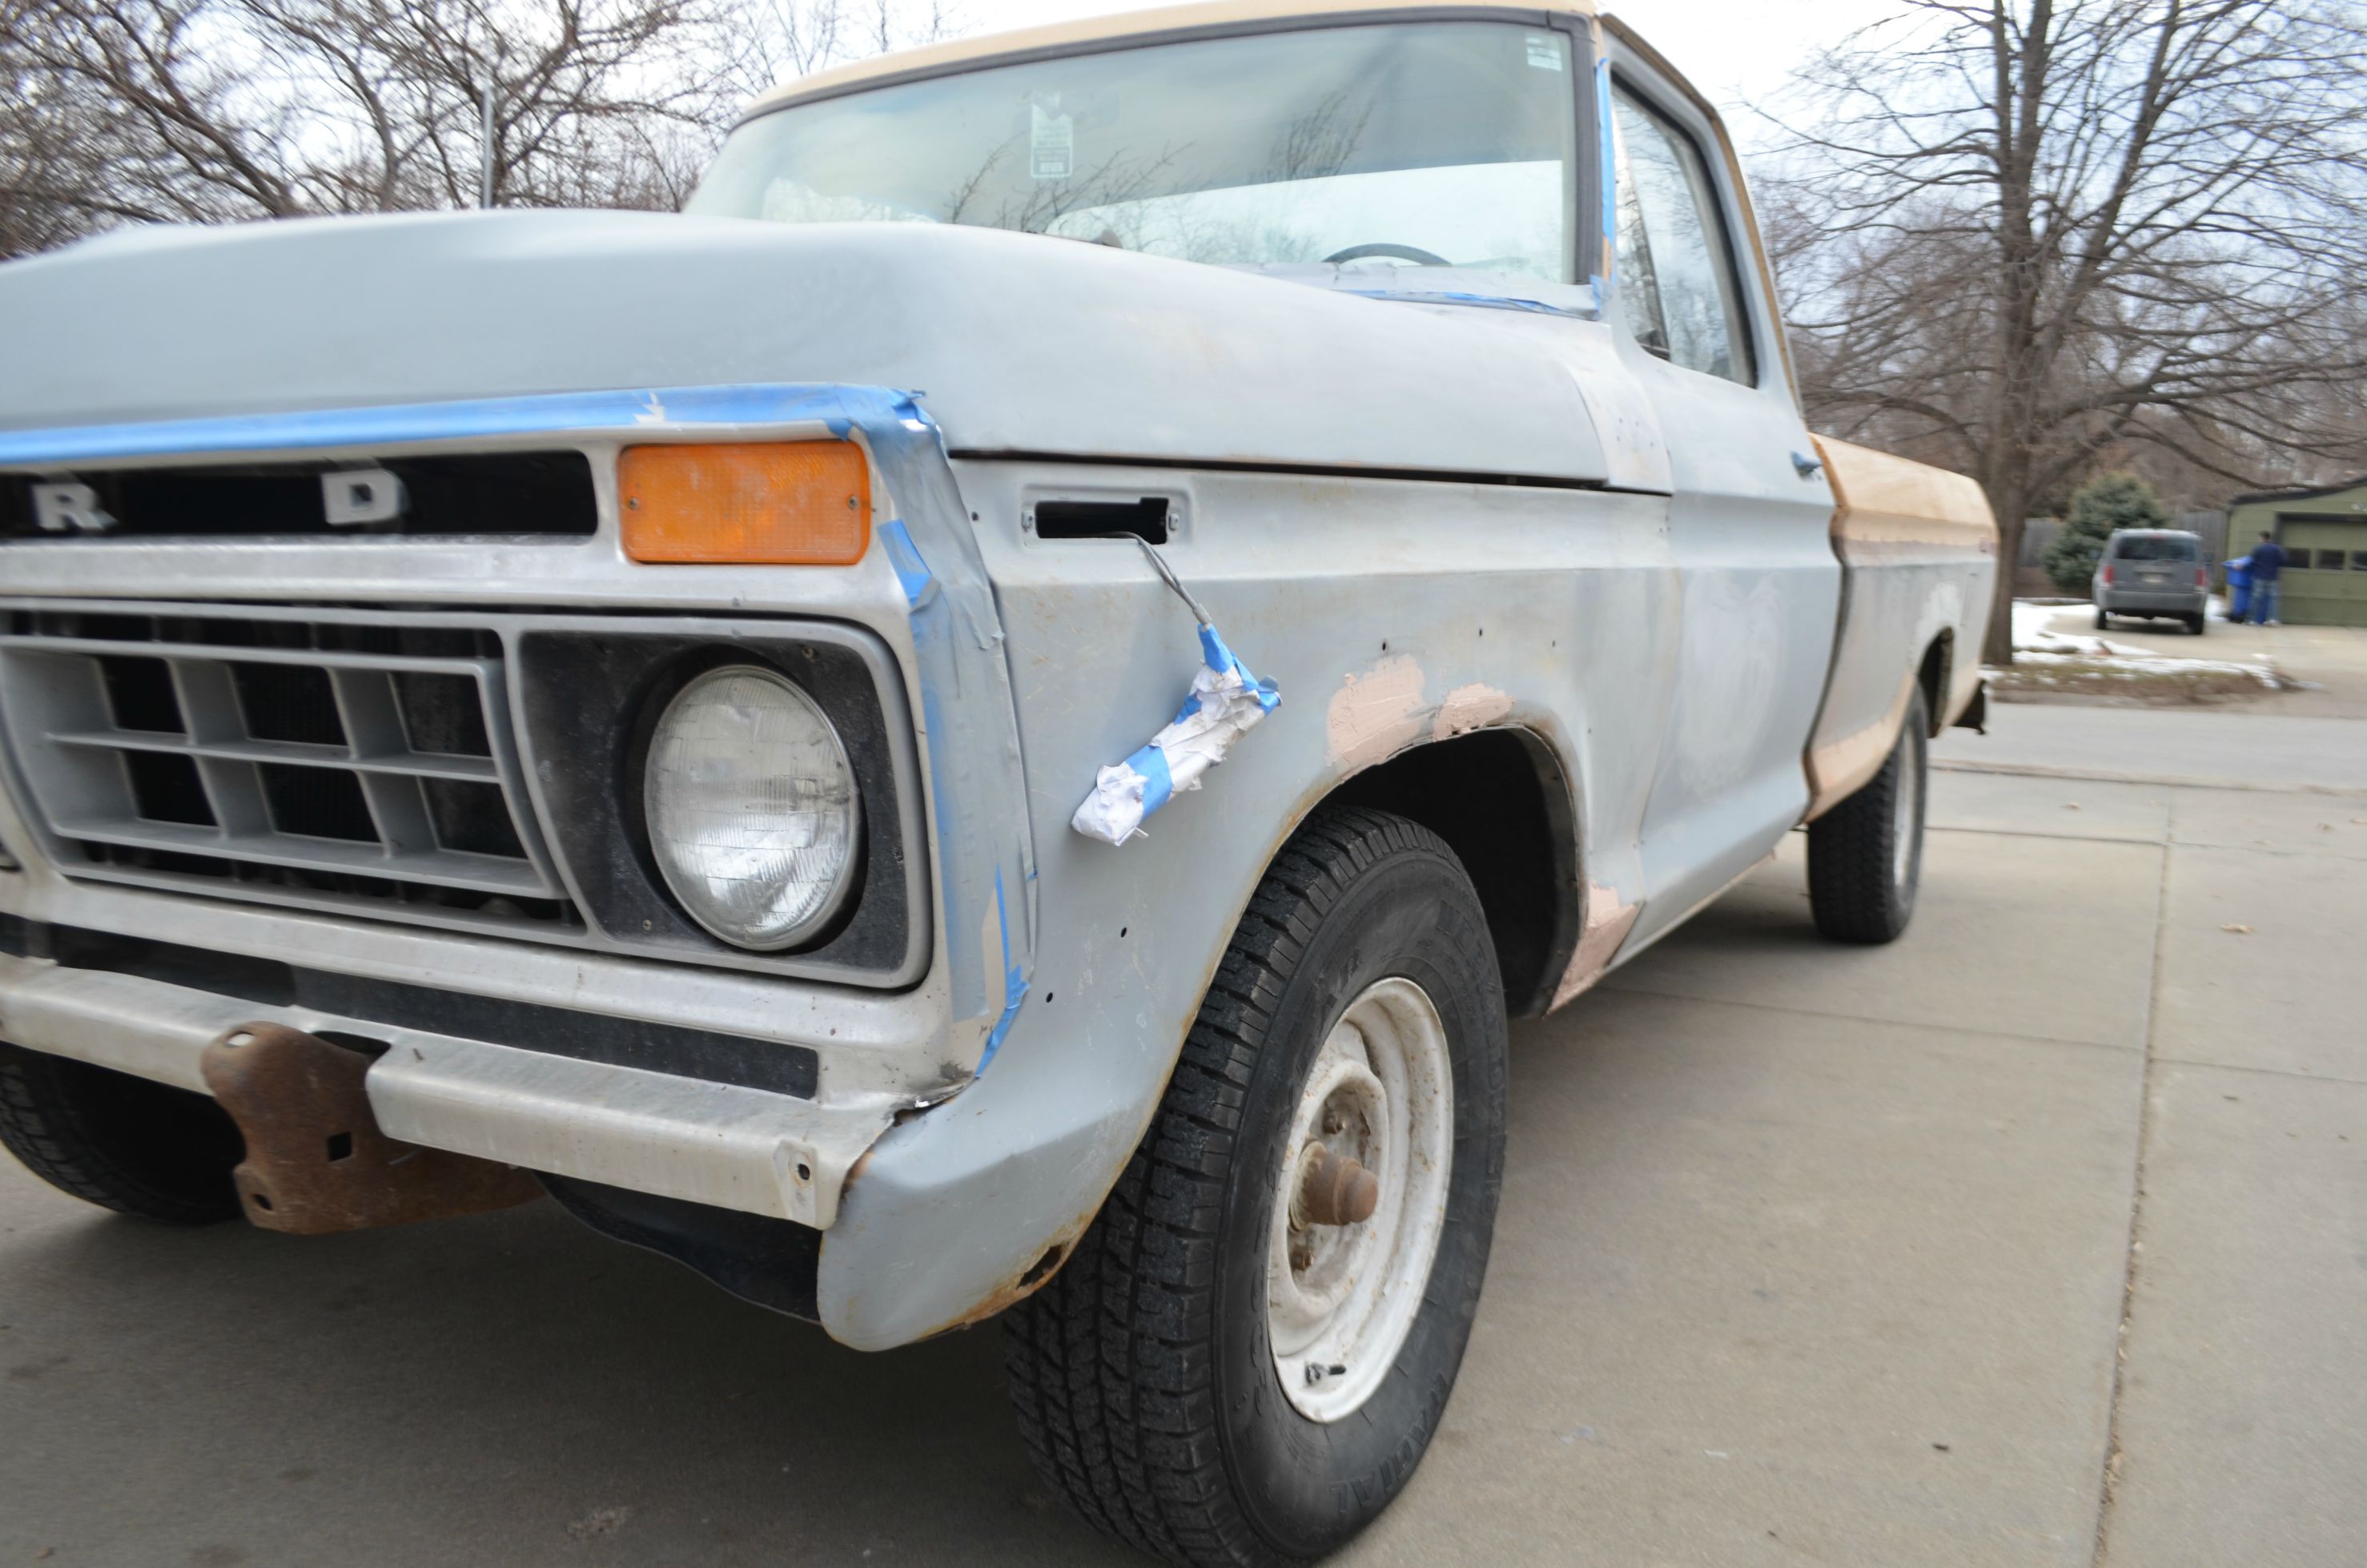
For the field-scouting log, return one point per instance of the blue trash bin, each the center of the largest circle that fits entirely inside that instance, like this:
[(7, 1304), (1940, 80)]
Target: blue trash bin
[(2239, 587)]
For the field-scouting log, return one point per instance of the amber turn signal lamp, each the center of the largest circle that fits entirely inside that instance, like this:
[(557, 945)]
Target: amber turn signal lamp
[(755, 502)]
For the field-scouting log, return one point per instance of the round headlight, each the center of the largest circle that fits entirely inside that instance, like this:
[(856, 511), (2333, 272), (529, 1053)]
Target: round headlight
[(753, 812)]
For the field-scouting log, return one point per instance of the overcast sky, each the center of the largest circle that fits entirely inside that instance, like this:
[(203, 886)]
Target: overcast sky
[(1733, 49)]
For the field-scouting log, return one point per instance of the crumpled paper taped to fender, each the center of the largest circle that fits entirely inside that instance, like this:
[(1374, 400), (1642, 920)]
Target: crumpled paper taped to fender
[(1226, 701)]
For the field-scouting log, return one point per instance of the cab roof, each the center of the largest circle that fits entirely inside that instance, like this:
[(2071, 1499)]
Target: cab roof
[(1169, 21)]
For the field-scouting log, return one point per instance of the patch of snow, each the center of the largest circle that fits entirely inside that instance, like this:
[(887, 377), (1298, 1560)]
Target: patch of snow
[(2037, 646), (2030, 620), (2129, 663)]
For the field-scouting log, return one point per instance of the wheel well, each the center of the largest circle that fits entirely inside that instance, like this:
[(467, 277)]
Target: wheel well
[(1499, 799), (1934, 676)]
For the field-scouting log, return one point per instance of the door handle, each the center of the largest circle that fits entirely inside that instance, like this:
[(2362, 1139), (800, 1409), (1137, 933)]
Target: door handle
[(1805, 466)]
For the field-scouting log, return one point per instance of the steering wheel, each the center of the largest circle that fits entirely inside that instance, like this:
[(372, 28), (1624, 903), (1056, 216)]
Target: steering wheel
[(1394, 252)]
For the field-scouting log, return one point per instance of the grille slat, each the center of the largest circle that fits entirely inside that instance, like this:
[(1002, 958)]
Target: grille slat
[(298, 767), (437, 868), (412, 765)]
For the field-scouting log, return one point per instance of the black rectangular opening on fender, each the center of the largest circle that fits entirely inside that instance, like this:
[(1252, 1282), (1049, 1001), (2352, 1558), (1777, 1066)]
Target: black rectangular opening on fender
[(1146, 518)]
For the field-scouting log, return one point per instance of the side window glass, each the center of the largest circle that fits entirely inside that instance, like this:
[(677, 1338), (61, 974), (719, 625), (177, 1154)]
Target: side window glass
[(1677, 288)]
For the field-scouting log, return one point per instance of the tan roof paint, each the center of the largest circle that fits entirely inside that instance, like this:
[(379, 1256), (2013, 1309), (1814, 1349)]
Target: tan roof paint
[(1212, 15)]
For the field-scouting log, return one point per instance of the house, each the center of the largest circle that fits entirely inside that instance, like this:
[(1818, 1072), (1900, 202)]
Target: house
[(2324, 531)]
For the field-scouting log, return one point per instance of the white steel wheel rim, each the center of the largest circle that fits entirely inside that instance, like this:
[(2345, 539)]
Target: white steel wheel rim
[(1341, 1298)]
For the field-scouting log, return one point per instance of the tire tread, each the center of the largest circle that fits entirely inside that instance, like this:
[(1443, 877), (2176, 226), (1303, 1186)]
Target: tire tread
[(1851, 891), (1109, 1366), (48, 1122)]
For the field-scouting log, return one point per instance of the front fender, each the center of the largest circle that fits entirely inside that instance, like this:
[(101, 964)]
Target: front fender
[(1390, 614)]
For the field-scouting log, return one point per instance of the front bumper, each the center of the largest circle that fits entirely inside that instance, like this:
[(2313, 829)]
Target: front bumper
[(721, 1144)]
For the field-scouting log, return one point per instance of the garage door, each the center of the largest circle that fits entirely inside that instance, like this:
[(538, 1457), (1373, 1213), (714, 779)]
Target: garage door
[(2326, 570)]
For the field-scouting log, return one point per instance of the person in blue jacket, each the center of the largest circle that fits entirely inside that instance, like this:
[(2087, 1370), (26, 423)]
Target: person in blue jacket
[(2239, 588), (2268, 562)]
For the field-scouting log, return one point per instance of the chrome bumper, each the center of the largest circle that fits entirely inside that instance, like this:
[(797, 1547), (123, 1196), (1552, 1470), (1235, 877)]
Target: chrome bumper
[(716, 1144)]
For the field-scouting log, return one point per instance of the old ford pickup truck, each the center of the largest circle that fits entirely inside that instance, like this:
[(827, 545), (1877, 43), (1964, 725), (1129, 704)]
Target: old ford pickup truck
[(681, 712)]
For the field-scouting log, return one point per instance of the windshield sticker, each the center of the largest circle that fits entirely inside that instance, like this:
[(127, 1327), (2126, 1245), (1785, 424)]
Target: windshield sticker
[(1052, 144), (1544, 54)]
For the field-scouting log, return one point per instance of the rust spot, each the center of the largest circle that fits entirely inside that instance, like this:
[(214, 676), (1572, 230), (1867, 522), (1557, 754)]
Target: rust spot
[(1334, 1189), (1607, 924), (316, 1162)]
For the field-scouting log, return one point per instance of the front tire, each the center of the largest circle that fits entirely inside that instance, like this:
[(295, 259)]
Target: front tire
[(1865, 856), (121, 1141), (1359, 1002)]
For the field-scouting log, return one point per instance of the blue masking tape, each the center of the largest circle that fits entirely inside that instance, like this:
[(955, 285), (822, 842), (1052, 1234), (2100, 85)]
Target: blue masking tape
[(1158, 782), (1015, 980), (840, 408), (1221, 658), (1213, 650), (1606, 133), (912, 571), (1481, 301)]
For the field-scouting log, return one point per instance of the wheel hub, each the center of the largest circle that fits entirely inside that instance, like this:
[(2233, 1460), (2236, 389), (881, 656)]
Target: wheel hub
[(1364, 1179)]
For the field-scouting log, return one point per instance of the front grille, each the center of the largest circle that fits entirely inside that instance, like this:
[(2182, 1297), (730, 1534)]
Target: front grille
[(324, 761), (490, 493), (365, 761)]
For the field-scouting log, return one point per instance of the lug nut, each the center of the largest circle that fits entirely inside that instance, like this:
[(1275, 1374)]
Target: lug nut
[(1336, 1190)]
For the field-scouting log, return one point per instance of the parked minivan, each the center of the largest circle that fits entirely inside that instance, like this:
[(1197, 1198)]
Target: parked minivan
[(2157, 573)]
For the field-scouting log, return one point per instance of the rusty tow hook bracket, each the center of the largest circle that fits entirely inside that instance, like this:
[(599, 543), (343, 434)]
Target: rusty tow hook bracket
[(316, 1162)]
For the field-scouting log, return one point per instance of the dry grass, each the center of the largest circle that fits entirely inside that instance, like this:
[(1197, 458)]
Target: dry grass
[(2121, 683)]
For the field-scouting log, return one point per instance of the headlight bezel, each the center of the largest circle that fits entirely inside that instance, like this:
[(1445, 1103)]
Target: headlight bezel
[(589, 690), (812, 926)]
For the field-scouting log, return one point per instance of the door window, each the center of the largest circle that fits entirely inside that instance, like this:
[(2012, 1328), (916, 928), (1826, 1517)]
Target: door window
[(1677, 288)]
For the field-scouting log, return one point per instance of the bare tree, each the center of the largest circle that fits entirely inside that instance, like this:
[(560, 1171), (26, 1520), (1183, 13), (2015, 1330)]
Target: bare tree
[(209, 110), (2022, 234), (774, 40)]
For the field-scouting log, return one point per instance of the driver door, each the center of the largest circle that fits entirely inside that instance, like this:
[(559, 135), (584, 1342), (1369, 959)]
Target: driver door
[(1750, 515)]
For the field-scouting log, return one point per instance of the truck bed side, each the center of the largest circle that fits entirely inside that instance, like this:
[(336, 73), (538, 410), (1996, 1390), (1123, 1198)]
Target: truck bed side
[(1918, 548)]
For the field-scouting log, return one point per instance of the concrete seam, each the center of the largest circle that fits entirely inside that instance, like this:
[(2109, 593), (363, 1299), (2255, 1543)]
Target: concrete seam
[(2261, 1071), (2053, 837), (2109, 1483), (1628, 988), (2164, 780), (2147, 843), (2264, 849)]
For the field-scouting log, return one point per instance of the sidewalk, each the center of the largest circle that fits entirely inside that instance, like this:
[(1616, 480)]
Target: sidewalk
[(2245, 749)]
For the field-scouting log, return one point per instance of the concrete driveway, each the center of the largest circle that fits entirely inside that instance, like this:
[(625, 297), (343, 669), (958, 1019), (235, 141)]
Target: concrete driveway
[(2040, 1237)]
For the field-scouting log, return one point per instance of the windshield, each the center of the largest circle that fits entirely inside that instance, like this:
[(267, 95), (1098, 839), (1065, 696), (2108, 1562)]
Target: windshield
[(2156, 547), (1448, 144)]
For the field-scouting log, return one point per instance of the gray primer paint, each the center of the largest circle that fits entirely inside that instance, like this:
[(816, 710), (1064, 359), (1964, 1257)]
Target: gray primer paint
[(1016, 342), (1557, 610)]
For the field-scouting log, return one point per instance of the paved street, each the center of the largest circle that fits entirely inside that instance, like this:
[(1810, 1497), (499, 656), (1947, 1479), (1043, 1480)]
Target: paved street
[(1806, 1256)]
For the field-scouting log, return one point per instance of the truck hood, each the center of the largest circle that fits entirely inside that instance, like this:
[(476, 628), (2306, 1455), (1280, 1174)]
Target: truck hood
[(1016, 343)]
